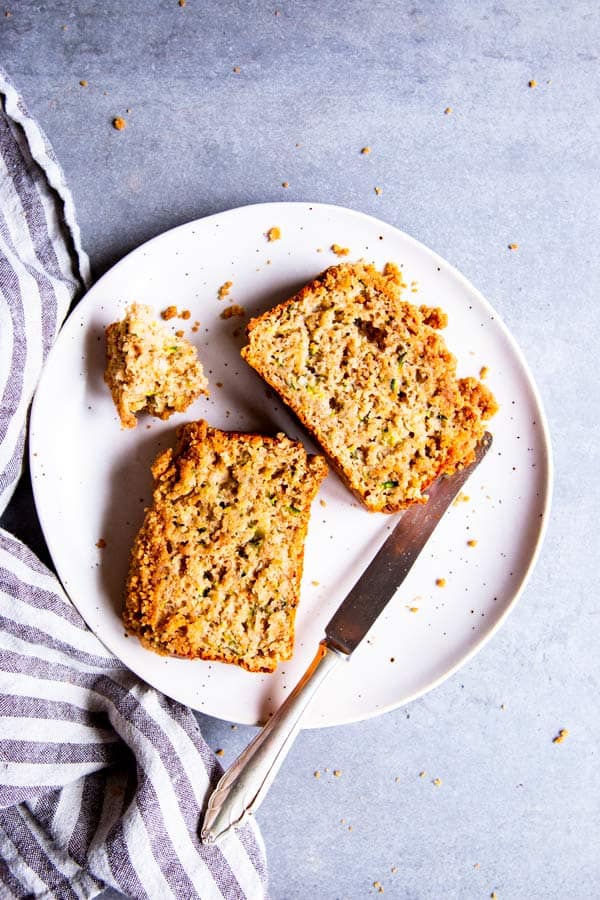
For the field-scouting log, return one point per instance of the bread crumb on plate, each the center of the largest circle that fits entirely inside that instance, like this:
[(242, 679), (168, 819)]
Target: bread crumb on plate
[(149, 368)]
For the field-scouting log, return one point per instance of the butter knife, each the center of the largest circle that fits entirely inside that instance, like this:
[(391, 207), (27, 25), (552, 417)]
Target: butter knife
[(244, 785)]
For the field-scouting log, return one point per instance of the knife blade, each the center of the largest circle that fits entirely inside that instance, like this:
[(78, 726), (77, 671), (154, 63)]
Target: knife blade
[(383, 576), (245, 784)]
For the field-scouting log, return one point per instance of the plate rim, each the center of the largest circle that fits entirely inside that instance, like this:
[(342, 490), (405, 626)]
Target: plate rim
[(546, 475)]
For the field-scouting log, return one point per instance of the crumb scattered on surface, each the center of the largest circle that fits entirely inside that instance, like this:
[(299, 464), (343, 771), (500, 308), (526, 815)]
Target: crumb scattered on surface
[(322, 502), (413, 609), (315, 583), (448, 110), (219, 752), (340, 251), (101, 544), (234, 727), (219, 384), (365, 151), (337, 773), (437, 782), (562, 734), (513, 246), (119, 123), (377, 190), (503, 707), (422, 774), (233, 310), (472, 543), (185, 314), (83, 82), (440, 582), (493, 896), (182, 2), (484, 372), (169, 313), (317, 774), (462, 498), (274, 233), (237, 70), (285, 184), (225, 289), (532, 83)]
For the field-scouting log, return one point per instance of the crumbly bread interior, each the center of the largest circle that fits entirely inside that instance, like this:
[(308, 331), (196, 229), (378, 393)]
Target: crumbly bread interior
[(372, 379), (216, 568), (148, 367)]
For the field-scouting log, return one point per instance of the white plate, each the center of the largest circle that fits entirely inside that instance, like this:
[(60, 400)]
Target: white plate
[(91, 479)]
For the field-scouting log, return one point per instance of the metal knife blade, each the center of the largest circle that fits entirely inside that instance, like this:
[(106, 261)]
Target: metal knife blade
[(390, 566)]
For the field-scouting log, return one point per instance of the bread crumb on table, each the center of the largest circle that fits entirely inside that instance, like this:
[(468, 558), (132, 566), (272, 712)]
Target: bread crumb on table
[(484, 372), (413, 609), (340, 251), (101, 544), (472, 543), (377, 190), (285, 184), (513, 246), (185, 314), (237, 70), (440, 582), (532, 83), (169, 313), (422, 774), (225, 289), (337, 773), (83, 82), (219, 752), (562, 734), (365, 151), (448, 110), (274, 233), (234, 310), (317, 774), (437, 782), (119, 123)]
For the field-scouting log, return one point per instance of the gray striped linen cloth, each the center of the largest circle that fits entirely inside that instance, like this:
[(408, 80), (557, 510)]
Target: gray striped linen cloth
[(103, 779)]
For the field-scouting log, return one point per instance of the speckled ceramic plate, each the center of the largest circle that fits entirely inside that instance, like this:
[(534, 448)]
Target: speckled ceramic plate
[(92, 480)]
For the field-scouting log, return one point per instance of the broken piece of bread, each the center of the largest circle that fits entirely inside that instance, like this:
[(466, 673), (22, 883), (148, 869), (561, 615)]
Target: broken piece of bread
[(371, 378), (216, 568), (148, 367)]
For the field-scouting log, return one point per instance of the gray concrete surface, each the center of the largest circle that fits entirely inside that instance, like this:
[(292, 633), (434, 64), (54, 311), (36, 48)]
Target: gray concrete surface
[(516, 814)]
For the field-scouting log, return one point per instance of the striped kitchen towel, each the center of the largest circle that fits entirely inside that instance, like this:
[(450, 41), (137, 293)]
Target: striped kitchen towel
[(102, 778)]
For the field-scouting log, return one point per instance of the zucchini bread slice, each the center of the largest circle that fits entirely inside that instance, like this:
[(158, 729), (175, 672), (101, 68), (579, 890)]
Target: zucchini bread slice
[(215, 570), (149, 367), (373, 381)]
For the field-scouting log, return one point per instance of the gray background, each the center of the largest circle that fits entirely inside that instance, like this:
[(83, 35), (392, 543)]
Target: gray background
[(516, 814)]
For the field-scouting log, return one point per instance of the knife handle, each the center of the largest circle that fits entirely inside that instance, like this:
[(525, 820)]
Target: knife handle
[(244, 785)]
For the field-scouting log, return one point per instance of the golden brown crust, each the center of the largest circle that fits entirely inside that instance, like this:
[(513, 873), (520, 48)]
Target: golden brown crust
[(216, 567), (371, 378)]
